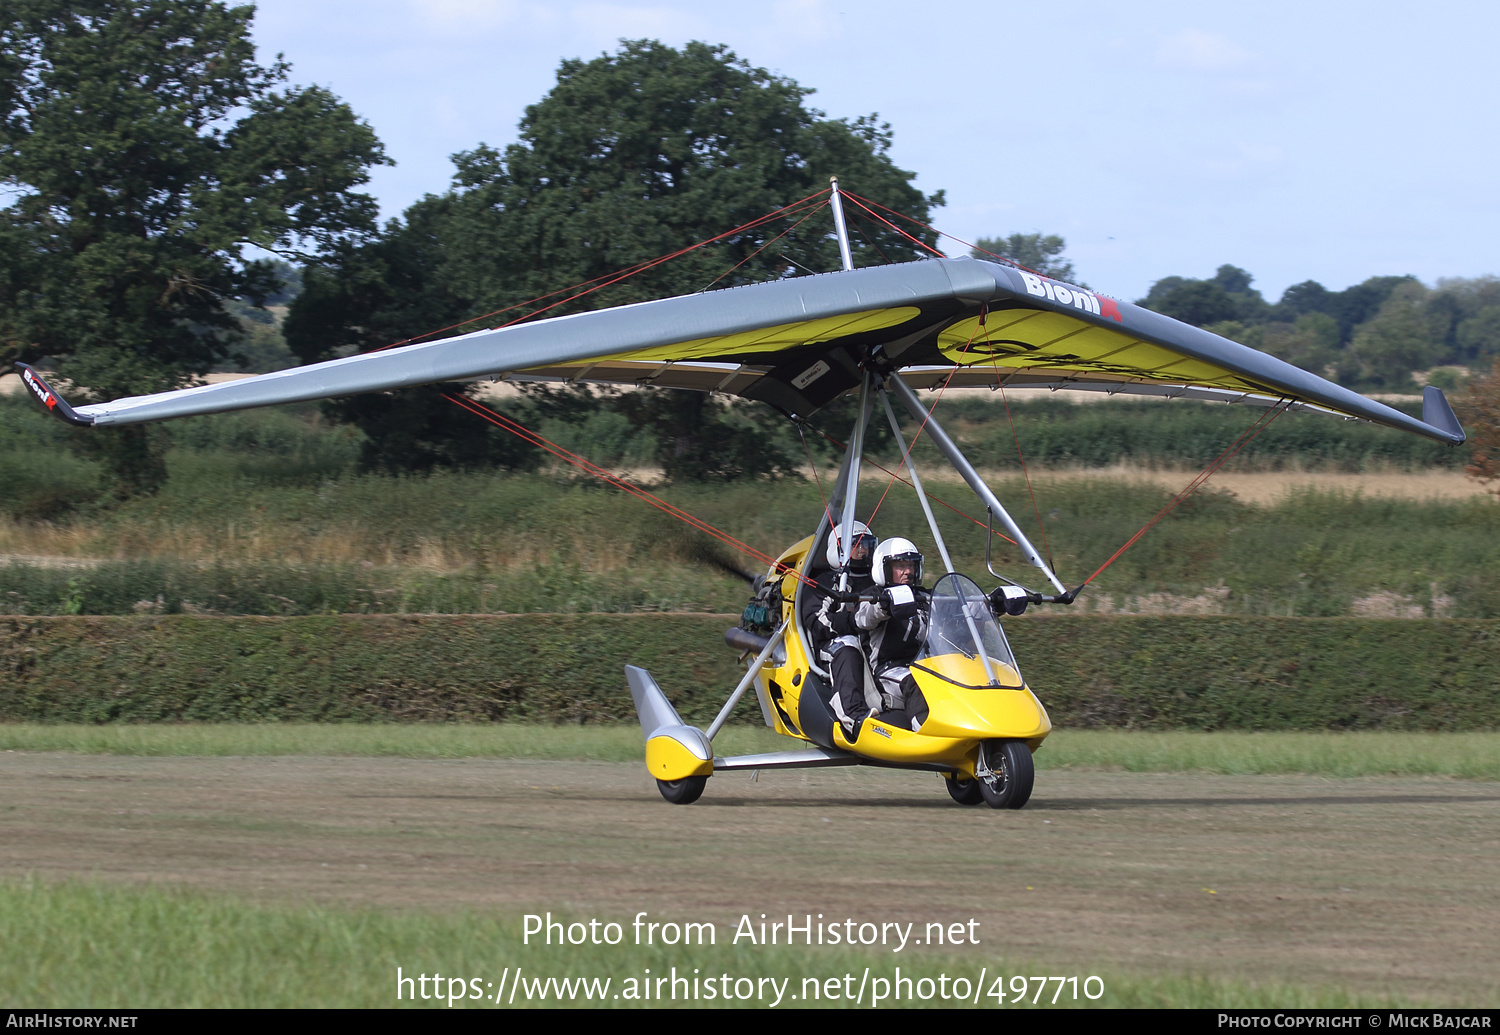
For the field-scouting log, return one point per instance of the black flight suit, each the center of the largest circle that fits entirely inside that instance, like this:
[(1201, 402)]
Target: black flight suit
[(837, 640)]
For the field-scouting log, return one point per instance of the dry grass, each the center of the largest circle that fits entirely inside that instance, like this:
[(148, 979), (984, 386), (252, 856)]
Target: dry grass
[(1258, 488), (1265, 488)]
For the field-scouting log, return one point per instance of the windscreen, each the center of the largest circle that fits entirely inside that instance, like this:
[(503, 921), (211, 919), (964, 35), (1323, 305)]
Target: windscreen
[(959, 610)]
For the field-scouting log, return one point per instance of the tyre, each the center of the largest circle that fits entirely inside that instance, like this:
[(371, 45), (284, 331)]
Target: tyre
[(1005, 773), (682, 792), (965, 792)]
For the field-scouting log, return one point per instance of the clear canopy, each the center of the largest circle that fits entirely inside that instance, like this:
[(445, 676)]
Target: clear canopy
[(959, 611)]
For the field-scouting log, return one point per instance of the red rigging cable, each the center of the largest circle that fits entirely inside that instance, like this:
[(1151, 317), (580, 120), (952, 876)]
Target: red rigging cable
[(643, 267), (606, 279), (1244, 439), (936, 499), (868, 240), (598, 283), (906, 455), (811, 212), (917, 241), (794, 208), (502, 421), (827, 511), (943, 233)]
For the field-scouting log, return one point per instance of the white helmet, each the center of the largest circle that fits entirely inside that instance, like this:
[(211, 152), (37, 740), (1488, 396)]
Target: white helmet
[(891, 551), (862, 537)]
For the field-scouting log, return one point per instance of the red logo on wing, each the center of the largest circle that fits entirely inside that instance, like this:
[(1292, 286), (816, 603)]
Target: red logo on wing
[(42, 391), (1110, 308)]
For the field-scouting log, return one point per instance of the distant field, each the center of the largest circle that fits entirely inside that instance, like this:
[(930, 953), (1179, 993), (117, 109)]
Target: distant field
[(1270, 488), (266, 513)]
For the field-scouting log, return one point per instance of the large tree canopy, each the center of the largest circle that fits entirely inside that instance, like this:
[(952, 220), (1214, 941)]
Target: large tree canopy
[(143, 150), (631, 156)]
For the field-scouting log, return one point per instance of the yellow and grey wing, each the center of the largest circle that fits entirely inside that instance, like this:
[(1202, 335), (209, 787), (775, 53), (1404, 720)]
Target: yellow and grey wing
[(799, 343)]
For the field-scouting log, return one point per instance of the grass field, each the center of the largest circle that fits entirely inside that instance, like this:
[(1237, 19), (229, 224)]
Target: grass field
[(306, 880), (152, 947), (1465, 755)]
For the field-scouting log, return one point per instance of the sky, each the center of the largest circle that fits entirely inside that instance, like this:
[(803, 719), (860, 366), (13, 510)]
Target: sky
[(1331, 141)]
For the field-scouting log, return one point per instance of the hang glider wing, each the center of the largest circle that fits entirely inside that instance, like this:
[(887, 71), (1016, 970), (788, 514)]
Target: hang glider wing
[(796, 345)]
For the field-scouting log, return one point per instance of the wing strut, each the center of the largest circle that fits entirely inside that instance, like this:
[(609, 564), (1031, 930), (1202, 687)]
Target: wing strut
[(962, 466), (916, 482), (851, 483)]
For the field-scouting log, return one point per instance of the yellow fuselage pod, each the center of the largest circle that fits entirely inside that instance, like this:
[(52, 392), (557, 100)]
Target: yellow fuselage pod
[(962, 709), (667, 758)]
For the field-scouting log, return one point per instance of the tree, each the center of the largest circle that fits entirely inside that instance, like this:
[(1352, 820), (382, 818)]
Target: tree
[(1040, 253), (1227, 295), (1399, 340), (1479, 407), (145, 151), (631, 155)]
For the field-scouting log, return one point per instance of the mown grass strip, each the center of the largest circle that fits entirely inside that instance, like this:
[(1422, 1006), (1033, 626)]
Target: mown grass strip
[(546, 743), (1365, 753), (95, 945), (1372, 753)]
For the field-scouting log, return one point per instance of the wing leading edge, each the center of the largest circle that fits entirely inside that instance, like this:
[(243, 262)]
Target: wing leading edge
[(798, 344)]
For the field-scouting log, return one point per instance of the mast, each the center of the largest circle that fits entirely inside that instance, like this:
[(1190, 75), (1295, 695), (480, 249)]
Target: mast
[(839, 227)]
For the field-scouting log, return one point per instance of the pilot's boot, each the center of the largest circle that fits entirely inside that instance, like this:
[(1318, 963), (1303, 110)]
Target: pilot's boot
[(848, 672)]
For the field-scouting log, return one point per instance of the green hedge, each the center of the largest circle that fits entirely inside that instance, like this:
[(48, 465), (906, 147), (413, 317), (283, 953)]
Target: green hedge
[(1143, 672)]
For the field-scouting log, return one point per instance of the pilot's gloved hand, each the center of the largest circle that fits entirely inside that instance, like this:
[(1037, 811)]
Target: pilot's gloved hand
[(1009, 600), (898, 601), (870, 615)]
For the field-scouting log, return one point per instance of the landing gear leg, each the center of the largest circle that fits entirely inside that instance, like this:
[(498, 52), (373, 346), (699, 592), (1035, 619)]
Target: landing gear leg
[(1005, 773)]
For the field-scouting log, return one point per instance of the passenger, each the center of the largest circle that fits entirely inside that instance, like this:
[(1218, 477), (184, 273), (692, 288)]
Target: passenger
[(830, 626), (895, 624)]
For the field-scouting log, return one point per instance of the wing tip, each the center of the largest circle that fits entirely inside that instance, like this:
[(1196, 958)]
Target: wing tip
[(48, 398), (1438, 413)]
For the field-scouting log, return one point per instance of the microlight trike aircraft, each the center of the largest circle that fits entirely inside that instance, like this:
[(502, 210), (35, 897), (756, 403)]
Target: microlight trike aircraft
[(885, 333)]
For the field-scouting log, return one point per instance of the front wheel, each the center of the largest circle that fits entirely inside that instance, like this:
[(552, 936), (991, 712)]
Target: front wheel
[(1005, 773), (965, 792), (682, 792)]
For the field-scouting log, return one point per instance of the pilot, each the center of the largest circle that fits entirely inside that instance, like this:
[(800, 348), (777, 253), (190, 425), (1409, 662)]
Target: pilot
[(895, 625), (830, 626)]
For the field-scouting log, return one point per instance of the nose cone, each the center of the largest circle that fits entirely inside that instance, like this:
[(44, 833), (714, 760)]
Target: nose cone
[(956, 712)]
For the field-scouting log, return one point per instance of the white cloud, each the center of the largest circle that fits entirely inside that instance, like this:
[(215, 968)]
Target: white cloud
[(1194, 50)]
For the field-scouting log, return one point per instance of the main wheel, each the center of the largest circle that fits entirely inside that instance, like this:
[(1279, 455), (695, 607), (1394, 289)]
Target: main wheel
[(965, 792), (1005, 773), (682, 792)]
